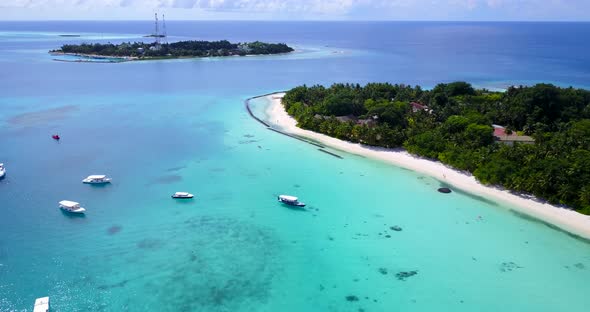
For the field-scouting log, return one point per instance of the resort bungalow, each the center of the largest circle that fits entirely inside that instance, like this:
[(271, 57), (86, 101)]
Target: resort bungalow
[(349, 118), (508, 138), (370, 122), (244, 47), (417, 107)]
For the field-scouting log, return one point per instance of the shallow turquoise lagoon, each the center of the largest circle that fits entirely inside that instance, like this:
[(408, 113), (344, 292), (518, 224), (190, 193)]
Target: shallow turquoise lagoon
[(161, 127)]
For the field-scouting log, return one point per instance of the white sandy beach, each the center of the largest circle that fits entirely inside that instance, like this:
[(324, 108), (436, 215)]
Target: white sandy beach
[(568, 220)]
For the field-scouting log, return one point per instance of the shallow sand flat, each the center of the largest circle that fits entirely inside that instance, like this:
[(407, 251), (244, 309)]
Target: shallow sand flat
[(568, 220)]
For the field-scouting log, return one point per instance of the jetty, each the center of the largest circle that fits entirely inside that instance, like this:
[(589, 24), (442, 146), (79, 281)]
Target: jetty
[(41, 305), (271, 128), (91, 61)]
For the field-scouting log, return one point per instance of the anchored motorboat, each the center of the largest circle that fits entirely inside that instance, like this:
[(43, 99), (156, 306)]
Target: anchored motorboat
[(2, 171), (55, 137), (290, 200), (182, 195), (41, 305), (97, 179), (71, 206)]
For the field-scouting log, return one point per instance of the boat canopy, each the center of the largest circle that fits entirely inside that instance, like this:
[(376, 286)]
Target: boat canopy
[(69, 204), (181, 194), (96, 177), (288, 198)]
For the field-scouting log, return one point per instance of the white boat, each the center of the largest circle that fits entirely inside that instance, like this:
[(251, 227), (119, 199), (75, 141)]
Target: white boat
[(71, 206), (2, 171), (182, 195), (41, 305), (290, 200), (97, 179)]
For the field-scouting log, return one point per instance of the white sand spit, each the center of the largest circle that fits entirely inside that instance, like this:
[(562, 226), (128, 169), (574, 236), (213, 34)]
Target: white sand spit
[(566, 219)]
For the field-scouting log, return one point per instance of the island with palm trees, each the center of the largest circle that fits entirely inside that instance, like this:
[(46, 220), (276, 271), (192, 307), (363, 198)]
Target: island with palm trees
[(180, 49)]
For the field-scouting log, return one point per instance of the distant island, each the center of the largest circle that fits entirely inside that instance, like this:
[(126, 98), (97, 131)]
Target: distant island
[(180, 49), (534, 140)]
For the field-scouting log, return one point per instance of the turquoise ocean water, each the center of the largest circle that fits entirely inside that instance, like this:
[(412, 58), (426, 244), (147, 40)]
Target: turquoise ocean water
[(166, 126)]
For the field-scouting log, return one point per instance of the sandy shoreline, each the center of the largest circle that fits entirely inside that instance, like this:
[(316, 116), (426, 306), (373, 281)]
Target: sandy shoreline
[(152, 58), (97, 56), (565, 219)]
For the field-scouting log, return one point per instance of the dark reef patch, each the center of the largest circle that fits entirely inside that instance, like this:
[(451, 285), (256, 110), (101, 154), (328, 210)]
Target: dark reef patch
[(167, 179), (444, 190), (150, 243), (114, 229), (119, 284), (42, 117), (227, 264), (175, 168), (403, 275), (352, 298), (509, 266)]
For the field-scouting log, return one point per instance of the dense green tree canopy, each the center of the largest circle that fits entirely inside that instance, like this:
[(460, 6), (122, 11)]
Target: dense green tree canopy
[(176, 49), (453, 123)]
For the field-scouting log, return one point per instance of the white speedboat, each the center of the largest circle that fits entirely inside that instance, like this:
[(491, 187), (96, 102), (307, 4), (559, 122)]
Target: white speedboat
[(290, 200), (182, 195), (71, 206), (41, 305), (2, 171), (97, 179)]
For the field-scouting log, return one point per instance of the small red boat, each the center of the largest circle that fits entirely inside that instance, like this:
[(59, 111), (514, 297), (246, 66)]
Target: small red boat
[(55, 137)]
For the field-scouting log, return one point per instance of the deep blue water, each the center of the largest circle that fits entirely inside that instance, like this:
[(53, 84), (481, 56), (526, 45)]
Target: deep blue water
[(486, 54), (164, 126)]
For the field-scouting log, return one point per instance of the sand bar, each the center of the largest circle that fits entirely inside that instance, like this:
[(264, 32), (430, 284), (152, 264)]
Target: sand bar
[(568, 220)]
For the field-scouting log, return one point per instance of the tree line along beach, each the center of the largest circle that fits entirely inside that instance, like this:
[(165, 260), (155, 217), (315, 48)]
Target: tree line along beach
[(181, 49), (478, 140)]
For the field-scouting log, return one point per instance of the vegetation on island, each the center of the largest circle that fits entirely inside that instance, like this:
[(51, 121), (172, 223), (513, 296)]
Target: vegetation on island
[(175, 49), (453, 123)]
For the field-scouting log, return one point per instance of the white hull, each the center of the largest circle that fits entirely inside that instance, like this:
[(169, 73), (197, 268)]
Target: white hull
[(71, 206), (291, 203), (187, 197), (96, 179), (41, 305), (182, 195), (96, 182), (79, 210), (290, 200)]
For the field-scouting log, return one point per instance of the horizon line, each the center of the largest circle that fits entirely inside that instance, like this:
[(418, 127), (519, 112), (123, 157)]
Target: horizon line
[(302, 20)]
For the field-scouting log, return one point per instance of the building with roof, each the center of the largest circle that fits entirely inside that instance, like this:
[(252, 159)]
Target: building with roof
[(417, 107), (502, 135)]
